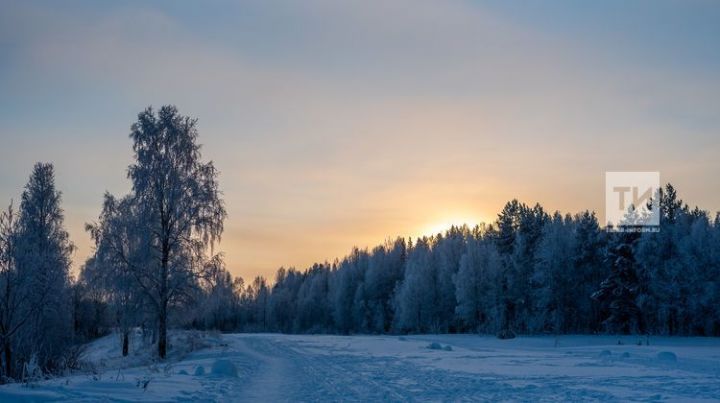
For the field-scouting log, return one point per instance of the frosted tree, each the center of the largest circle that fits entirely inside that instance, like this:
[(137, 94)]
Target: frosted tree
[(505, 236), (589, 269), (344, 283), (554, 277), (664, 268), (700, 279), (448, 251), (179, 200), (530, 231), (13, 291), (361, 314), (92, 315), (385, 270), (415, 309), (219, 301), (531, 273), (42, 255), (257, 294), (477, 285), (121, 252), (711, 292), (313, 308), (282, 304), (620, 290), (519, 228)]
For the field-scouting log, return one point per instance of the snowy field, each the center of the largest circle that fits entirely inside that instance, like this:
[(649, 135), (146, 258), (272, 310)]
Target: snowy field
[(270, 367)]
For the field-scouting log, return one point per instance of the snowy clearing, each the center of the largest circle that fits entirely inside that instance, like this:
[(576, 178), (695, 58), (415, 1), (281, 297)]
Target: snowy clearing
[(272, 367)]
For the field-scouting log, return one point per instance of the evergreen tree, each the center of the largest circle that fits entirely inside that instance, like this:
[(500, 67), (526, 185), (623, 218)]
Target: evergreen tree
[(620, 289), (588, 269), (505, 238)]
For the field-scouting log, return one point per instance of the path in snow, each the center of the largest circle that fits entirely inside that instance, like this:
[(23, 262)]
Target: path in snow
[(273, 379)]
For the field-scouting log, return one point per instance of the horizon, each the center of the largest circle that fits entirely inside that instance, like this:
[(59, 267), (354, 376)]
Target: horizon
[(336, 126)]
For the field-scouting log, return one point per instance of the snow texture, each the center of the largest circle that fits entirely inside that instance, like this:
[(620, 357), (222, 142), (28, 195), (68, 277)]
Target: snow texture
[(271, 367)]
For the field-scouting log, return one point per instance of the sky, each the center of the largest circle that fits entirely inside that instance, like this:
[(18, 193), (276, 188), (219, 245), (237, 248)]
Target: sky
[(344, 123)]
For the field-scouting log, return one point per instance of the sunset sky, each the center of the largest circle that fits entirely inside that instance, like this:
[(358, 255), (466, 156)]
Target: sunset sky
[(341, 123)]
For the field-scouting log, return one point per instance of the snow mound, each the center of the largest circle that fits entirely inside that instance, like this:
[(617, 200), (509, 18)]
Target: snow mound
[(182, 372), (105, 353), (625, 355), (667, 356), (438, 346), (199, 370), (224, 368), (604, 354)]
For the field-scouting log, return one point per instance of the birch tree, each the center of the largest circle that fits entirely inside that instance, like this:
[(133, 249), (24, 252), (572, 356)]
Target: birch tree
[(179, 201)]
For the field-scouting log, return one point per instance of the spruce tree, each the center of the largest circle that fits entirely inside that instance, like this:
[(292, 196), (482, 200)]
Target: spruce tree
[(619, 291)]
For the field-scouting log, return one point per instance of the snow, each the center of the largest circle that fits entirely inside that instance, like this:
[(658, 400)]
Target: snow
[(224, 368), (434, 346), (272, 367), (199, 370), (667, 356)]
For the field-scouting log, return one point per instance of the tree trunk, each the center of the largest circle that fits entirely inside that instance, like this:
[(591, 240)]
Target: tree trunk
[(125, 343), (8, 359), (162, 325), (162, 331)]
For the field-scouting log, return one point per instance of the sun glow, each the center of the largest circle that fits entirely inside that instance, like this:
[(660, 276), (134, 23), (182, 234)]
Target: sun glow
[(443, 224)]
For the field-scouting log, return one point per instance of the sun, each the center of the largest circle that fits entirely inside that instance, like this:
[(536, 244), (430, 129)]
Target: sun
[(443, 224)]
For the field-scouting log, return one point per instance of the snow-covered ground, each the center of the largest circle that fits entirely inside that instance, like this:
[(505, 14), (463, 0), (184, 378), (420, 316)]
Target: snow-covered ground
[(270, 367)]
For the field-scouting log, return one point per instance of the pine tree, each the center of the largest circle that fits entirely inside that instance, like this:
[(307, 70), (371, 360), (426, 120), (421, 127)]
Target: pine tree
[(519, 229), (505, 239), (620, 289), (588, 269)]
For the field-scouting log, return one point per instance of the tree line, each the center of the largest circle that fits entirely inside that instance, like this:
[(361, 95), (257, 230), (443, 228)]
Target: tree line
[(154, 267), (530, 272)]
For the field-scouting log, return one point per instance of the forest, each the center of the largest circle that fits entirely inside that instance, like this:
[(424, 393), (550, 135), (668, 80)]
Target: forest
[(155, 267)]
